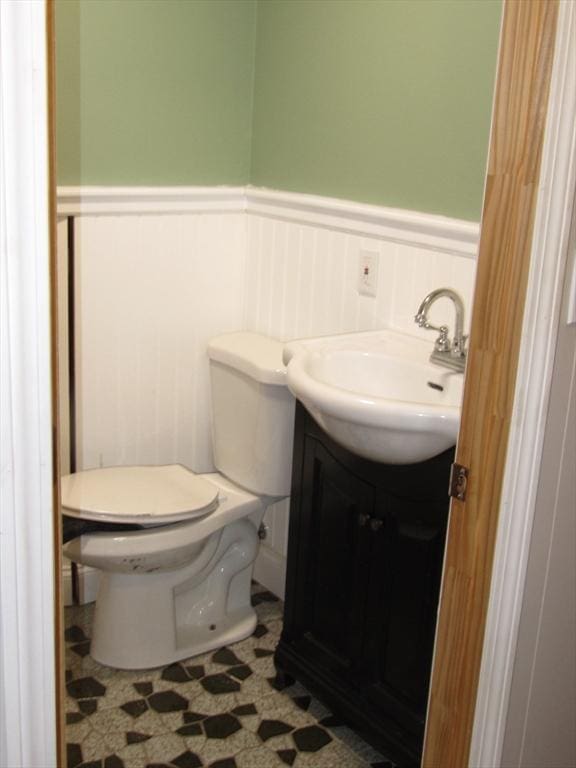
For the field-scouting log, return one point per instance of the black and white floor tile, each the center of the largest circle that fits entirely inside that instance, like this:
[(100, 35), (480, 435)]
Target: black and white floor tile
[(218, 710)]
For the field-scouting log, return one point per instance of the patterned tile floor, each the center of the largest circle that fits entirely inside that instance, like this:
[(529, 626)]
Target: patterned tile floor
[(218, 710)]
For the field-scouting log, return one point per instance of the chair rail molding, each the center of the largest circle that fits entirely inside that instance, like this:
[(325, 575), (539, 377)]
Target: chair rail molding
[(92, 201), (425, 230)]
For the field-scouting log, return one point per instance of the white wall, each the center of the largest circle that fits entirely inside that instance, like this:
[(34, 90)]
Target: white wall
[(156, 279), (151, 291)]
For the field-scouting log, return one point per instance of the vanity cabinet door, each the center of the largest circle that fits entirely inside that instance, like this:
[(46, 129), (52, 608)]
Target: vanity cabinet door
[(333, 562), (365, 556), (401, 609)]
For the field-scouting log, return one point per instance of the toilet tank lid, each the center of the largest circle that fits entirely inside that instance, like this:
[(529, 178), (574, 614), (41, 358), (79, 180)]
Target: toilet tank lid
[(258, 356)]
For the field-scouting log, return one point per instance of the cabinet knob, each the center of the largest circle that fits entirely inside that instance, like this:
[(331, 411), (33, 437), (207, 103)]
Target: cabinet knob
[(363, 519), (376, 524)]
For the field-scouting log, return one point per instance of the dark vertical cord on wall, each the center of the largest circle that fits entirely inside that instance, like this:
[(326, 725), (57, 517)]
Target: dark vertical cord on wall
[(72, 343), (71, 303)]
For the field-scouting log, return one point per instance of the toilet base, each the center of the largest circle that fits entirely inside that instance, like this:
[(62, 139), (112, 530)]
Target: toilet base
[(155, 619), (195, 641)]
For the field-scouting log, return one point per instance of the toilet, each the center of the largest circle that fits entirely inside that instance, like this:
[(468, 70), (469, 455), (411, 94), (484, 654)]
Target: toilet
[(175, 549)]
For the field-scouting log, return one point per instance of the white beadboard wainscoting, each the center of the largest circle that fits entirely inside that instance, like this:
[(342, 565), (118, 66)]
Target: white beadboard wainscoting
[(158, 272), (302, 266)]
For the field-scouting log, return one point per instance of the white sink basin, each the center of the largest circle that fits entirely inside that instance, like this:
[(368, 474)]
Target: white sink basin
[(376, 394)]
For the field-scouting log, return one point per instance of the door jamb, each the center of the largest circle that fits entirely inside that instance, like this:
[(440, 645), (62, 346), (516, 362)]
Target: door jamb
[(539, 331), (513, 182)]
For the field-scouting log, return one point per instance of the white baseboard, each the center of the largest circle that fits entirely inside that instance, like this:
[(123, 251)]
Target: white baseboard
[(270, 571), (88, 579)]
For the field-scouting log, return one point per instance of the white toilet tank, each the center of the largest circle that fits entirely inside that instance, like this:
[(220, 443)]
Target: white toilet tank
[(252, 412)]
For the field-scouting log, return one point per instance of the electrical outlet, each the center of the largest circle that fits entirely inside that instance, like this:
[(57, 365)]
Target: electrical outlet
[(367, 272)]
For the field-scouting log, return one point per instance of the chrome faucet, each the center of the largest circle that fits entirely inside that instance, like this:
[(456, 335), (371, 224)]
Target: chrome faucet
[(450, 353)]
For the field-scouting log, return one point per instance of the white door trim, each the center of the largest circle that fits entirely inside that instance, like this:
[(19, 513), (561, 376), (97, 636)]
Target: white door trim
[(539, 331), (27, 647)]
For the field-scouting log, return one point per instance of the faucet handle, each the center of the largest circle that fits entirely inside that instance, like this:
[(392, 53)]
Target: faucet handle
[(422, 321), (458, 348), (442, 343)]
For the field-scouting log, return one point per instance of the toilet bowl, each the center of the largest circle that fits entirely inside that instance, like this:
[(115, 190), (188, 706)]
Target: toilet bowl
[(177, 583), (167, 591)]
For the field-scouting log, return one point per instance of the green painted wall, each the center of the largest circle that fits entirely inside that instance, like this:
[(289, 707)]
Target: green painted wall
[(154, 91), (380, 101)]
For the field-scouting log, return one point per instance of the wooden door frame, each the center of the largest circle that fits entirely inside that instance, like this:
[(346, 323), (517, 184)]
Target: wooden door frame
[(60, 661), (505, 402), (550, 242)]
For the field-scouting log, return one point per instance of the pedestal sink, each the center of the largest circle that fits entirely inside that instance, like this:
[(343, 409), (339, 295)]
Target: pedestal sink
[(377, 394)]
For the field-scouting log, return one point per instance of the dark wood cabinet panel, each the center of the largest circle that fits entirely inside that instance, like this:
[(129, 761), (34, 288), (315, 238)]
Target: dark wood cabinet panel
[(334, 562), (365, 556)]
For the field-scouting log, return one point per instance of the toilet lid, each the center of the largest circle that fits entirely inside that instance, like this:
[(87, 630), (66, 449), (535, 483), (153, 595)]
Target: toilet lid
[(141, 495)]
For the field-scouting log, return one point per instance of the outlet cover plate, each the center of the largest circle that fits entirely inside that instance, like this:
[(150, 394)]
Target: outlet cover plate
[(368, 272)]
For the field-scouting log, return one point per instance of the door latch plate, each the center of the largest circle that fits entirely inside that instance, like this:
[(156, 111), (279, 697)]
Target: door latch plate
[(458, 481)]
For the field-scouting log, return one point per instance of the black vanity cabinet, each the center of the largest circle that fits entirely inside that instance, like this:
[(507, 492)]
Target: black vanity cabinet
[(365, 554)]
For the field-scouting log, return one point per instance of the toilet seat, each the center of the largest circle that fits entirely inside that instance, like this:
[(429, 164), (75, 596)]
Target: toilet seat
[(145, 495)]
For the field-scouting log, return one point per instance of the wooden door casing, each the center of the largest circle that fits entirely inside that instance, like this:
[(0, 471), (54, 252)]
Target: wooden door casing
[(525, 61)]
